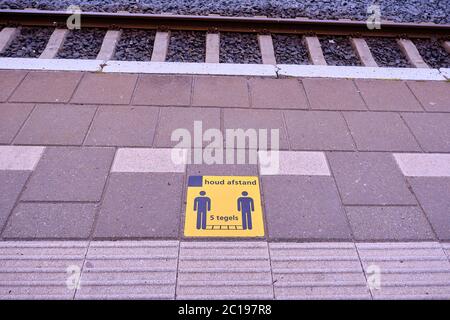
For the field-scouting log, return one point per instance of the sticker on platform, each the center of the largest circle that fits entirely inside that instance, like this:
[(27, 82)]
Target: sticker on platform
[(223, 206)]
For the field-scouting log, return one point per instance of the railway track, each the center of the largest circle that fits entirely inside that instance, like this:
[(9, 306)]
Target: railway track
[(396, 41)]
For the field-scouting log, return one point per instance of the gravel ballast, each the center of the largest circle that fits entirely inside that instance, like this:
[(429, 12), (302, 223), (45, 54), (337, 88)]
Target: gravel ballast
[(135, 45), (82, 44), (433, 52), (437, 11), (239, 48), (387, 53), (187, 46), (290, 49), (29, 43), (338, 51)]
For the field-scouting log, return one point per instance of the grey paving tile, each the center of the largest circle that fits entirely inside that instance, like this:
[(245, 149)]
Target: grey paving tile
[(11, 185), (255, 121), (277, 93), (129, 270), (101, 88), (317, 130), (387, 95), (47, 86), (70, 174), (433, 95), (183, 118), (433, 195), (389, 223), (317, 271), (12, 116), (39, 269), (380, 131), (224, 270), (369, 179), (51, 220), (412, 270), (123, 126), (220, 92), (431, 130), (140, 195), (163, 90), (9, 79), (333, 94), (56, 125), (302, 207)]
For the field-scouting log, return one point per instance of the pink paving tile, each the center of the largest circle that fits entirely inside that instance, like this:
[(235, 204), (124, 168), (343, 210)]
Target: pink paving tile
[(220, 92), (433, 95), (380, 131), (47, 87), (105, 88), (255, 121), (432, 130), (318, 130), (388, 95), (123, 126), (56, 125), (163, 90), (183, 118), (277, 94), (12, 116), (9, 81), (333, 94)]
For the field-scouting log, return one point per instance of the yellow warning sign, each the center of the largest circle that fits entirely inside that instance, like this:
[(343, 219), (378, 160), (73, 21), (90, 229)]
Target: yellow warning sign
[(223, 206)]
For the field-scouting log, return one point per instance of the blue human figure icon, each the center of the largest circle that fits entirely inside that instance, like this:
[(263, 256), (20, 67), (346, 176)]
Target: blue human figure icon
[(246, 206), (202, 205)]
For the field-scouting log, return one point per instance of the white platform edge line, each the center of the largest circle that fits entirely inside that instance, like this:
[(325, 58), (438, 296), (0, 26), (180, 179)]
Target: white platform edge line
[(312, 71), (306, 71), (190, 68), (445, 72), (50, 64)]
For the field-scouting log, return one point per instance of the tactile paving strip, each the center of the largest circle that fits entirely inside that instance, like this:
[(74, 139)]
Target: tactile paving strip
[(224, 270), (317, 271), (408, 270), (129, 269), (40, 270)]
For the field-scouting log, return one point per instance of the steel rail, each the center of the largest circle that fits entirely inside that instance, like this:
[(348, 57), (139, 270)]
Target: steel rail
[(215, 23)]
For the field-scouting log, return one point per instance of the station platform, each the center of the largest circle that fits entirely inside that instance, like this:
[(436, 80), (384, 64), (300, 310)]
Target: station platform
[(91, 205)]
